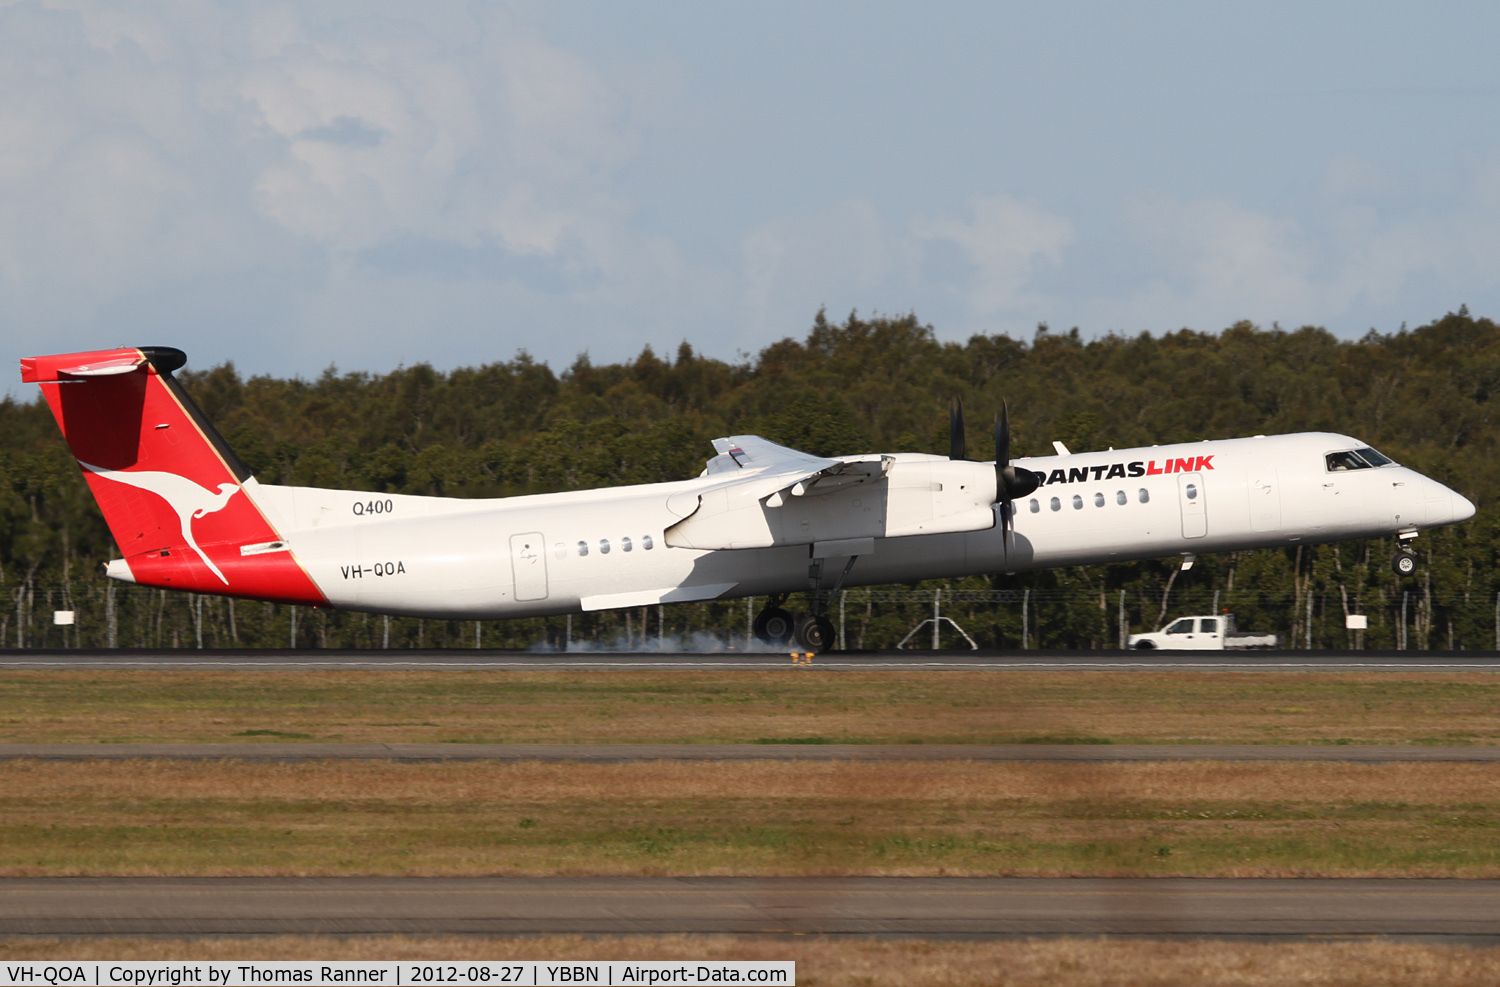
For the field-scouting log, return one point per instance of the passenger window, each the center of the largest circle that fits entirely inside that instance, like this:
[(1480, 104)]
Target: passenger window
[(603, 546), (583, 548), (1077, 503), (1120, 497), (1056, 504), (1183, 626), (1339, 462), (1035, 507), (1208, 625), (646, 542), (1098, 500), (1145, 497), (1192, 491), (625, 545)]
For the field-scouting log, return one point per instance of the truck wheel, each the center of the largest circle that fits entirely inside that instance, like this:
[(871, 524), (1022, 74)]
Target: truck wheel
[(1144, 646), (1404, 563)]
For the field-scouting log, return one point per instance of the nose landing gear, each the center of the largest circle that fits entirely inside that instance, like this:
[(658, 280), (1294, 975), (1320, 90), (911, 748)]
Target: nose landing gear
[(1404, 563)]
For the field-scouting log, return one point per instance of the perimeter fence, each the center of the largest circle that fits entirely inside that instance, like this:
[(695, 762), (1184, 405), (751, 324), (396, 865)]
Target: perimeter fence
[(107, 614)]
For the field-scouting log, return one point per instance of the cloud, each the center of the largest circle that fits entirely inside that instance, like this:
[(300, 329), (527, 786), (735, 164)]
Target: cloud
[(1008, 241), (1368, 249), (223, 170)]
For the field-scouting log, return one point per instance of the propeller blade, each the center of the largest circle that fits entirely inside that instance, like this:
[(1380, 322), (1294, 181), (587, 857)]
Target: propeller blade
[(1002, 437), (1010, 483), (956, 446)]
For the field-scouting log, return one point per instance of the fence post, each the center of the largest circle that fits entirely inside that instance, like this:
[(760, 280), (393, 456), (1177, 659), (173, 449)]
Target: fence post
[(1123, 635), (1309, 619), (936, 616), (1404, 595), (385, 634), (843, 593), (1025, 620), (293, 637), (112, 627)]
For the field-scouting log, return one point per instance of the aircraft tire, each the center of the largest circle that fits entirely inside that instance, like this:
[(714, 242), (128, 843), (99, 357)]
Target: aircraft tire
[(815, 633), (1404, 563), (773, 626)]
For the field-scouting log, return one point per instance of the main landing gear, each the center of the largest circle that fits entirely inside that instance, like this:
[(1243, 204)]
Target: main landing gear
[(776, 626), (814, 632)]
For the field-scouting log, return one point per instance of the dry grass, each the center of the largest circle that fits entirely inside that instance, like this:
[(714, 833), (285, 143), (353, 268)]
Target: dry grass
[(867, 963), (750, 818), (740, 707)]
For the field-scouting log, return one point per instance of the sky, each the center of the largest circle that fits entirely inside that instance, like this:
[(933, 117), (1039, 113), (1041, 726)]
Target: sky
[(366, 184)]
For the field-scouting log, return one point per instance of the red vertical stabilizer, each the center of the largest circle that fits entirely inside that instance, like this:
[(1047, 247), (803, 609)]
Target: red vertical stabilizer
[(172, 492)]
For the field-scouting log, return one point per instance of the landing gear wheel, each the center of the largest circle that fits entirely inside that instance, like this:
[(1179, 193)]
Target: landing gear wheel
[(1404, 563), (773, 625), (815, 633)]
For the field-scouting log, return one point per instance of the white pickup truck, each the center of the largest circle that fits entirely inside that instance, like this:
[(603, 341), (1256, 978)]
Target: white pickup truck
[(1201, 633)]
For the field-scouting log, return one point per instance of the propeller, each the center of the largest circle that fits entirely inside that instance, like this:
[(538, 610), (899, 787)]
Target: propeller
[(956, 447), (1011, 484)]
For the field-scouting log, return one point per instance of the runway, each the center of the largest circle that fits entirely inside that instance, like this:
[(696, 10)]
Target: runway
[(619, 753), (1448, 909), (894, 661)]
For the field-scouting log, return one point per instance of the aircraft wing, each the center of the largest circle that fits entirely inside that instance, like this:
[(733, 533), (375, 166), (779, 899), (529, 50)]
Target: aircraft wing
[(759, 494), (762, 470), (737, 452)]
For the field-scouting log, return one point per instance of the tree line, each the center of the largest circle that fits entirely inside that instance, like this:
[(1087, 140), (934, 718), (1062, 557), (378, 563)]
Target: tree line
[(1422, 396)]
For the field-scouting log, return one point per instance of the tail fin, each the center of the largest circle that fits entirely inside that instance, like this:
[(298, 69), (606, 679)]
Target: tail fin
[(179, 503)]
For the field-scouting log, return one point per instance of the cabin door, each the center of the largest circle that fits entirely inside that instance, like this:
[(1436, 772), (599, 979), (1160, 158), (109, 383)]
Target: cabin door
[(1193, 498), (528, 563)]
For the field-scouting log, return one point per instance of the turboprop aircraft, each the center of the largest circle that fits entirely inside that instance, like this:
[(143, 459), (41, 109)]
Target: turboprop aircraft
[(761, 520)]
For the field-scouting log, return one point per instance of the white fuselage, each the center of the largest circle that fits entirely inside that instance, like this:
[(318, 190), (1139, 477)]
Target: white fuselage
[(605, 548)]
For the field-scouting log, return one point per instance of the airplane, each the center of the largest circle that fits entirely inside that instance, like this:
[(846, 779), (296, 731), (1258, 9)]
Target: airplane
[(761, 519)]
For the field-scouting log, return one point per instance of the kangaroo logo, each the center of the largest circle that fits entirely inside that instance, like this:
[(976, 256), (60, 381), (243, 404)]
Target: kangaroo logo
[(187, 498)]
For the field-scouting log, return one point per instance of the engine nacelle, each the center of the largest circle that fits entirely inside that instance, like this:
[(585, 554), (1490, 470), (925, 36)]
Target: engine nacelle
[(915, 495)]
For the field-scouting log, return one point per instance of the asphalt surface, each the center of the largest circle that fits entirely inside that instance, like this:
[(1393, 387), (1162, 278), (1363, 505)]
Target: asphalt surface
[(467, 660), (1454, 910), (617, 753)]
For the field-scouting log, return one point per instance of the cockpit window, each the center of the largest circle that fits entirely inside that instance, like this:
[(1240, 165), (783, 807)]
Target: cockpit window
[(1339, 462), (1372, 457)]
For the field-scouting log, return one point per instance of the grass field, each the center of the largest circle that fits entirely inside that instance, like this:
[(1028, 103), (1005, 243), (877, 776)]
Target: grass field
[(778, 704), (739, 818), (872, 963), (156, 817)]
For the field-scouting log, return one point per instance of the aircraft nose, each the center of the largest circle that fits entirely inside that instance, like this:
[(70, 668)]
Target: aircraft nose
[(1463, 507)]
